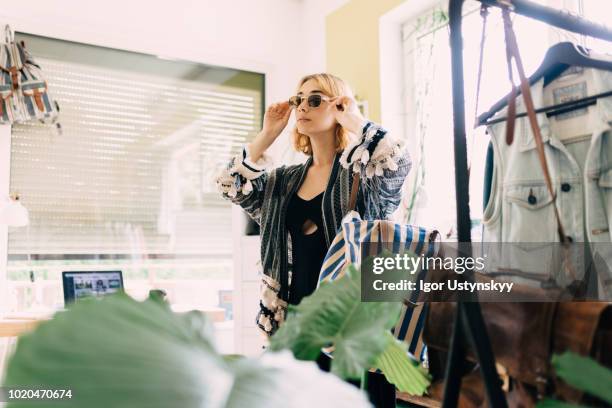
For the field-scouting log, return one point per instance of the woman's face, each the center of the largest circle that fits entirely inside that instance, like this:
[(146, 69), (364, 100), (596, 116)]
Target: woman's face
[(311, 121)]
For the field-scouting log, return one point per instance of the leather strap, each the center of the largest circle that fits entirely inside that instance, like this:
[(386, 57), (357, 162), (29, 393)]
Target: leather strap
[(354, 188), (511, 117), (513, 52), (15, 56), (38, 100), (14, 77), (384, 232)]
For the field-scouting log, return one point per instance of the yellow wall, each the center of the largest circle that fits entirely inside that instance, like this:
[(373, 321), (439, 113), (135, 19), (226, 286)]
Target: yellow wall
[(352, 47)]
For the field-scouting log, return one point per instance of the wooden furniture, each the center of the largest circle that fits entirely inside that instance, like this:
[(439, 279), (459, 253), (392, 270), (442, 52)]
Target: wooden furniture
[(16, 327)]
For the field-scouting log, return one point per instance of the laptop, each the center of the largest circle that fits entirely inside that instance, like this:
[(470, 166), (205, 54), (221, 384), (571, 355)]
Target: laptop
[(90, 284)]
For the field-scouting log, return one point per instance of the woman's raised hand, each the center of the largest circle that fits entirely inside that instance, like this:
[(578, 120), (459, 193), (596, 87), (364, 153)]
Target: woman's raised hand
[(347, 113), (276, 119)]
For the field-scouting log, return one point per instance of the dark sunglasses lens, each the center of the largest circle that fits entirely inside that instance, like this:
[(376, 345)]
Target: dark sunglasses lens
[(295, 101), (314, 101)]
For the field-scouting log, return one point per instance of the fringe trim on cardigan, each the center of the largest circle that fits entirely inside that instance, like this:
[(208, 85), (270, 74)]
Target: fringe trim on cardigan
[(236, 177), (373, 152), (272, 308)]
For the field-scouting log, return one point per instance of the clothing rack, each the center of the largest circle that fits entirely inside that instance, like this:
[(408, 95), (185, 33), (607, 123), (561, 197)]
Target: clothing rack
[(559, 108), (469, 324)]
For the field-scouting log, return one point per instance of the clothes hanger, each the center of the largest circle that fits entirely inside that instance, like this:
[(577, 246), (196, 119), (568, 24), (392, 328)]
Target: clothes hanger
[(558, 58)]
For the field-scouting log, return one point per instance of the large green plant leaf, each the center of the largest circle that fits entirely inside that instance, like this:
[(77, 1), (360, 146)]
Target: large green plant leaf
[(584, 374), (117, 351), (121, 353), (401, 370), (334, 315), (550, 403)]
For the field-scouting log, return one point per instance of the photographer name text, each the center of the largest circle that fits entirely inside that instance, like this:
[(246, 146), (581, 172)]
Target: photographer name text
[(453, 285)]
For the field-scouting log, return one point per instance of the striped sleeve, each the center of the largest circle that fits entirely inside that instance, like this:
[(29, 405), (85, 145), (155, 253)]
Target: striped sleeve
[(243, 182), (383, 163)]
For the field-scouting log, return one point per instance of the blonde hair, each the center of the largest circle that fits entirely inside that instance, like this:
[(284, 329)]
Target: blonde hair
[(331, 86)]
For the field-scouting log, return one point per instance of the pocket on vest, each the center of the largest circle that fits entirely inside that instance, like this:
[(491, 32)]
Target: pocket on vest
[(531, 215)]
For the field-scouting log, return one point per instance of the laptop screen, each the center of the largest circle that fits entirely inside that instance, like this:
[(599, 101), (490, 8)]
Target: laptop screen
[(80, 285)]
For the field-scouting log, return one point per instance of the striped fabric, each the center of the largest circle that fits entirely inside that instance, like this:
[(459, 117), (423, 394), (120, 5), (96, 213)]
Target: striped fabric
[(23, 90), (346, 249)]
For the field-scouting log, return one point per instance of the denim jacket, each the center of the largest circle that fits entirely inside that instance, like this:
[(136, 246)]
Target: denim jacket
[(520, 208), (382, 163)]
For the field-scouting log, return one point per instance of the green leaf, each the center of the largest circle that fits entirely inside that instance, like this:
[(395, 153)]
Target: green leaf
[(229, 358), (117, 352), (334, 315), (584, 374), (550, 403), (401, 369)]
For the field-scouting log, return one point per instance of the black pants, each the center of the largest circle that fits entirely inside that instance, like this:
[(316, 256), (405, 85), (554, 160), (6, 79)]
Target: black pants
[(380, 391)]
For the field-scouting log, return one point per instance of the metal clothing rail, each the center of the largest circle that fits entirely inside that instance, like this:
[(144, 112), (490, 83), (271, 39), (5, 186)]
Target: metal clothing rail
[(558, 18), (469, 324)]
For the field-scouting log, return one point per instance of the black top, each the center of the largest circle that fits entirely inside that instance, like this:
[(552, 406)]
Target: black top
[(308, 250)]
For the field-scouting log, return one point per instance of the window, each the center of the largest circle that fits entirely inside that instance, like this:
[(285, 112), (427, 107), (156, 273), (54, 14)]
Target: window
[(427, 81), (129, 184)]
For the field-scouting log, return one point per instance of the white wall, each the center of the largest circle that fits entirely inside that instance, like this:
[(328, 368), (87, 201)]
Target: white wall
[(253, 35), (394, 112), (310, 47), (312, 56)]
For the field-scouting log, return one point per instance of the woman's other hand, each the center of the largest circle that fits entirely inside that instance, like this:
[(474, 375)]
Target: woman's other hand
[(348, 114), (276, 119)]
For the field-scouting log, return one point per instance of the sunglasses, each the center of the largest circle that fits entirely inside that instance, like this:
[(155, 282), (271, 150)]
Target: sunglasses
[(314, 101)]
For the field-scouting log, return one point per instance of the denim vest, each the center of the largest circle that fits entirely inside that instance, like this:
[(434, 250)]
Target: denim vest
[(520, 208)]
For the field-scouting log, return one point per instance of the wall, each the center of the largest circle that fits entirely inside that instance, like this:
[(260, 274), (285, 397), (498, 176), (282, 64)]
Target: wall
[(310, 45), (242, 34), (353, 47), (313, 41)]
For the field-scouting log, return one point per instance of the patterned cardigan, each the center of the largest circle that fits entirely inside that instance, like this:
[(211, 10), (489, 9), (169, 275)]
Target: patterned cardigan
[(382, 163)]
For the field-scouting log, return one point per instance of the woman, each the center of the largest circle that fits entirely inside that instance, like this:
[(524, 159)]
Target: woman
[(299, 207)]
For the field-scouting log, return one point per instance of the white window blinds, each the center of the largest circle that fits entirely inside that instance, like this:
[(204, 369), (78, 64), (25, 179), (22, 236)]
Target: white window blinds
[(133, 171)]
